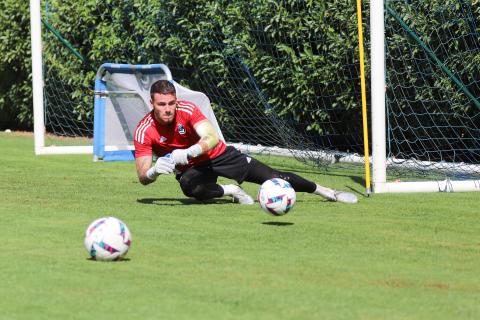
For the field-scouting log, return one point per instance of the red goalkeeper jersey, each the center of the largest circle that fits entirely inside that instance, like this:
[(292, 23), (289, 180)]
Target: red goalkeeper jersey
[(153, 138)]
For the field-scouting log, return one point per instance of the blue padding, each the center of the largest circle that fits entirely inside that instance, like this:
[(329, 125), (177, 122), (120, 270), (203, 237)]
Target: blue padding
[(99, 120), (127, 155)]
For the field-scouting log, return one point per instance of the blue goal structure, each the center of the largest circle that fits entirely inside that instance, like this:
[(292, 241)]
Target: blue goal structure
[(122, 98)]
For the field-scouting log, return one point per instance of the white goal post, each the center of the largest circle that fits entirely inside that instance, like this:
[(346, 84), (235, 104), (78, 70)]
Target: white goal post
[(37, 90), (378, 114)]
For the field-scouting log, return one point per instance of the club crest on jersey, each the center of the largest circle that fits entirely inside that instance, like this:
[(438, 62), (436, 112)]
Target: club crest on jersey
[(181, 129)]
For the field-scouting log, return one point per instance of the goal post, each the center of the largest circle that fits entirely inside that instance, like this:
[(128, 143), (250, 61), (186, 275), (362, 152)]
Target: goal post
[(377, 42), (379, 117), (37, 75), (38, 90)]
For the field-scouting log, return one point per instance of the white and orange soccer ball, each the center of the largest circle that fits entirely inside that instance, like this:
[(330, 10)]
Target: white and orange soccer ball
[(276, 196), (107, 239)]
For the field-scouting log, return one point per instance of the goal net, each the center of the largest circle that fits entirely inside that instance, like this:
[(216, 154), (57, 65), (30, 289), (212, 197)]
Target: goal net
[(284, 76), (432, 95)]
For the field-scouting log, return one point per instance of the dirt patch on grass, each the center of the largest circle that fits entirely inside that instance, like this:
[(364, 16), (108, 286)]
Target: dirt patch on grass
[(437, 286), (401, 283)]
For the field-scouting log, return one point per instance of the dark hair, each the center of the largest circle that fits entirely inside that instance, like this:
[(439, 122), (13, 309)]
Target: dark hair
[(162, 87)]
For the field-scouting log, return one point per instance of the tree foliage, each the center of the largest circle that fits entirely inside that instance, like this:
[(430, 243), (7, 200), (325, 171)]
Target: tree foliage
[(299, 54), (15, 65)]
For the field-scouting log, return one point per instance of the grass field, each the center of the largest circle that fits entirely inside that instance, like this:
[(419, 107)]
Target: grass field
[(404, 256)]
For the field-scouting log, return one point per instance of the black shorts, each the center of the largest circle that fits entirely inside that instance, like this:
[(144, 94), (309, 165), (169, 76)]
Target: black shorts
[(231, 164)]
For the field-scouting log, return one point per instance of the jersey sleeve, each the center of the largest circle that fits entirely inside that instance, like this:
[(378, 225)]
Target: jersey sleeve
[(142, 149), (142, 143)]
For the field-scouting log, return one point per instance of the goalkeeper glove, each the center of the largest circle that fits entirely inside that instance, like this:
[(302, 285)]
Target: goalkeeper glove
[(164, 165), (181, 156)]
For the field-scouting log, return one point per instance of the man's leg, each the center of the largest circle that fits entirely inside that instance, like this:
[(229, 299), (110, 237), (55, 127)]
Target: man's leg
[(234, 165), (201, 184), (260, 172)]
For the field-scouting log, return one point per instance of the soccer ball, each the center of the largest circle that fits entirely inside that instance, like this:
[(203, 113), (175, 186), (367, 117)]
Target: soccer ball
[(107, 239), (276, 196)]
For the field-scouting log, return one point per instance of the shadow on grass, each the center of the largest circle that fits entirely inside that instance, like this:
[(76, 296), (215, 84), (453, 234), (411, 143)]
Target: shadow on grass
[(116, 260), (182, 201), (278, 223), (354, 177), (358, 180), (360, 193)]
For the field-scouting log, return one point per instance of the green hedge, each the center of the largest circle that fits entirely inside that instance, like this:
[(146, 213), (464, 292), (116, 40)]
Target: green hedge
[(201, 41), (15, 65)]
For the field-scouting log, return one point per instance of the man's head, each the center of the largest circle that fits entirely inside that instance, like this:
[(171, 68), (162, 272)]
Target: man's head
[(164, 101)]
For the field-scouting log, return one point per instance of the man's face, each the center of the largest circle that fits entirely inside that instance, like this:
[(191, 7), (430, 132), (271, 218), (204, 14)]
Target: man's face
[(164, 107)]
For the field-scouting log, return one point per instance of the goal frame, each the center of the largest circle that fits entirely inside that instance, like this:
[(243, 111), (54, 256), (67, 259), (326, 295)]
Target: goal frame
[(379, 158), (39, 130), (378, 114)]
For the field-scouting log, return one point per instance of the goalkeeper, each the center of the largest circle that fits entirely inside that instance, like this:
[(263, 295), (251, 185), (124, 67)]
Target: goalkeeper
[(188, 145)]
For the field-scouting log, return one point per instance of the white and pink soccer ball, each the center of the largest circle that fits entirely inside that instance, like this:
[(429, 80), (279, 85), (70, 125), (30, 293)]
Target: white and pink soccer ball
[(107, 239), (276, 196)]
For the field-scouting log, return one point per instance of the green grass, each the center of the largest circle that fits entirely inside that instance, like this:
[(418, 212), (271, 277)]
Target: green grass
[(402, 256)]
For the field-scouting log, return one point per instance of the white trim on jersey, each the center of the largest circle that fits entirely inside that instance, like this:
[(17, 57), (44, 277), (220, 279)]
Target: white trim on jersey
[(142, 128), (186, 104), (185, 110)]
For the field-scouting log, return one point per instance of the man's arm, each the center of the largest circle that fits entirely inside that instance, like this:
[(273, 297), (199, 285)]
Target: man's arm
[(208, 135), (147, 174), (208, 140), (143, 164)]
